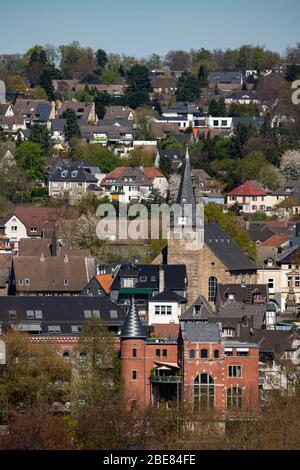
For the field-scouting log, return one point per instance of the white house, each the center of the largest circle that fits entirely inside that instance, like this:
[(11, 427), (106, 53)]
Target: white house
[(165, 308)]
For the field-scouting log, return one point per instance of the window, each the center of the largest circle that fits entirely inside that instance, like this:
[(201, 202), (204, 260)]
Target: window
[(33, 229), (244, 353), (79, 185), (165, 353), (224, 123), (216, 354), (30, 315), (212, 289), (271, 283), (76, 329), (157, 353), (66, 282), (14, 228), (66, 356), (204, 392), (235, 371), (204, 354), (54, 329), (297, 281), (38, 314), (134, 353), (27, 282), (234, 398), (254, 199), (229, 332), (215, 123), (128, 283), (87, 314), (163, 310), (82, 359), (134, 375), (228, 352), (192, 354)]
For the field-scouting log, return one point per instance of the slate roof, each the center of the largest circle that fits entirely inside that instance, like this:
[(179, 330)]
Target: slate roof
[(186, 194), (201, 333), (72, 173), (118, 112), (240, 292), (39, 110), (234, 78), (58, 125), (242, 95), (226, 249), (204, 310), (59, 310), (290, 256), (168, 296), (290, 189), (132, 327), (240, 310), (269, 341)]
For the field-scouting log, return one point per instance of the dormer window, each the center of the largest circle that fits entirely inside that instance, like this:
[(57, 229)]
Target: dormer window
[(74, 174), (64, 174), (33, 229)]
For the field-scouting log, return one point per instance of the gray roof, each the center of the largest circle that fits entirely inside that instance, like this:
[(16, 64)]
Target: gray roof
[(58, 125), (199, 310), (133, 328), (168, 296), (202, 333), (72, 173), (234, 78), (227, 250), (240, 310), (242, 95)]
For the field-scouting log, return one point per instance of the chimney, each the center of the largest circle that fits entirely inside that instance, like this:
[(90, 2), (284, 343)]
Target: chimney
[(161, 279)]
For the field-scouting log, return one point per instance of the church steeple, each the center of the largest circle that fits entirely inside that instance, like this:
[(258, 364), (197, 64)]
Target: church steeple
[(186, 193), (132, 327)]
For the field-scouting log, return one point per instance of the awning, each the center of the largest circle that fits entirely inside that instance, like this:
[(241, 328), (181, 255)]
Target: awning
[(136, 291), (168, 365)]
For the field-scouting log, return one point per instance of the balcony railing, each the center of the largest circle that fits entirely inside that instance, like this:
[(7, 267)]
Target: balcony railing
[(166, 379)]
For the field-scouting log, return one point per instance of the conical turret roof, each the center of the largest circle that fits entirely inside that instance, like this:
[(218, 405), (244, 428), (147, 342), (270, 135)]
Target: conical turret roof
[(132, 327)]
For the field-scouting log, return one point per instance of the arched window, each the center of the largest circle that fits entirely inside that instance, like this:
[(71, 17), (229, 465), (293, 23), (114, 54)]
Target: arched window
[(204, 392), (204, 353), (66, 356), (234, 398), (212, 288)]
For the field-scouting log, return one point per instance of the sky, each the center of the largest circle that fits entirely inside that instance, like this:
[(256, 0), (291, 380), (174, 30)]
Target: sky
[(140, 28)]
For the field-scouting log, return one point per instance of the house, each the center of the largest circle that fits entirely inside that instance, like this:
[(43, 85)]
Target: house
[(241, 97), (48, 247), (33, 222), (164, 85), (115, 132), (189, 369), (118, 112), (165, 308), (7, 110), (127, 184), (12, 124), (250, 198), (99, 285), (52, 275), (58, 131), (174, 157), (226, 81), (182, 113), (74, 180), (35, 111), (227, 125), (242, 293), (85, 112), (59, 320), (145, 282)]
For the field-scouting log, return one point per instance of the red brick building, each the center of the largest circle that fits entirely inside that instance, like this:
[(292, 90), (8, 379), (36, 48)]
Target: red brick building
[(199, 367)]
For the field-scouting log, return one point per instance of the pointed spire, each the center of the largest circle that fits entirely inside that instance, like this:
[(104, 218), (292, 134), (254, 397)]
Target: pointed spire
[(132, 327), (186, 191), (187, 155)]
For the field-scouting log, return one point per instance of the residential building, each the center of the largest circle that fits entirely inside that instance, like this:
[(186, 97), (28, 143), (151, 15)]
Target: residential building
[(85, 112), (241, 97), (250, 198), (226, 81), (35, 111), (118, 112)]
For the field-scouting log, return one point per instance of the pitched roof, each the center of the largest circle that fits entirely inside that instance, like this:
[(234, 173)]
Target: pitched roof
[(105, 280), (167, 331), (72, 173), (242, 293), (276, 240), (225, 77), (65, 311), (226, 249), (196, 332), (133, 176), (247, 189), (152, 173), (168, 296), (199, 309), (53, 274), (40, 218)]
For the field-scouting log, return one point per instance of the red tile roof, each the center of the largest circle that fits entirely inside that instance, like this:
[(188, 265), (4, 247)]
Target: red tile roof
[(167, 331), (276, 240), (105, 280), (247, 189), (152, 173)]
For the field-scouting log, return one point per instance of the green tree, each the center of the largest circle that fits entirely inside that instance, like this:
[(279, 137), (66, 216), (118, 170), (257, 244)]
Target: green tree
[(143, 119), (138, 79), (213, 108), (203, 76), (188, 88), (72, 128), (40, 135), (101, 58), (30, 159), (110, 77)]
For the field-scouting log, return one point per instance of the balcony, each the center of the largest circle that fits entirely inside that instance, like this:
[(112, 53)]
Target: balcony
[(166, 379)]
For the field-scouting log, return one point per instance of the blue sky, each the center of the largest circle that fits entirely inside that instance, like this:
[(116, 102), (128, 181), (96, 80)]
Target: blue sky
[(141, 27)]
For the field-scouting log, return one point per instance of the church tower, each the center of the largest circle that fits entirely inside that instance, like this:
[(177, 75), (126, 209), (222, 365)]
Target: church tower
[(133, 357), (186, 235)]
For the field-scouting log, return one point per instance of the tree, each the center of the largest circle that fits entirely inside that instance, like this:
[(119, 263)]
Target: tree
[(110, 77), (203, 76), (143, 119), (213, 108), (138, 79), (30, 159), (178, 60), (165, 166), (72, 128), (96, 155), (40, 135), (154, 197), (290, 165), (188, 88), (137, 99), (98, 374), (249, 167), (229, 223), (101, 58)]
